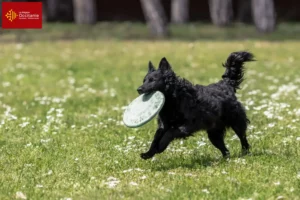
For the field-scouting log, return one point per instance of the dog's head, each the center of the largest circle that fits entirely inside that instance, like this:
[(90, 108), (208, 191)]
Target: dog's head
[(155, 79)]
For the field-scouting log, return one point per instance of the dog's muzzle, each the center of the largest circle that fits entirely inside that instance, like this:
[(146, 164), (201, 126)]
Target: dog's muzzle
[(140, 90)]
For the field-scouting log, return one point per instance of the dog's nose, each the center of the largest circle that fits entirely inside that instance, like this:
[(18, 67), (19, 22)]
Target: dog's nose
[(140, 90)]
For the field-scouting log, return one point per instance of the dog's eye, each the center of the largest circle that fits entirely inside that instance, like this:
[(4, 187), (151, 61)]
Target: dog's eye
[(150, 79)]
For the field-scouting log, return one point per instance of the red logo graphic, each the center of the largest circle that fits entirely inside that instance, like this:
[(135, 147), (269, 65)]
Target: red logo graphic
[(22, 15)]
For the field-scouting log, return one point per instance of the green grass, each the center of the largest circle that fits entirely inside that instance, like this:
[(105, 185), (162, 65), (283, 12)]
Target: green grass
[(61, 103), (138, 31)]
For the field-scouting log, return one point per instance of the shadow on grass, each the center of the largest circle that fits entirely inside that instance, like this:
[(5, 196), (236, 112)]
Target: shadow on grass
[(174, 163), (2, 143), (139, 31), (196, 162)]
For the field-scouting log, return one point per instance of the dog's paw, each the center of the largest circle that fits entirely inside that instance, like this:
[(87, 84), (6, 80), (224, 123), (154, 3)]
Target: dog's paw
[(246, 152), (226, 156), (146, 156)]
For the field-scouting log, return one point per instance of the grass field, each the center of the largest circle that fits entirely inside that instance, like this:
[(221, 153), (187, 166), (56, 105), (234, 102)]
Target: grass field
[(61, 105)]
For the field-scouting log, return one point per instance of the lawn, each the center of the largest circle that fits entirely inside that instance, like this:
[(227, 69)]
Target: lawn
[(62, 100)]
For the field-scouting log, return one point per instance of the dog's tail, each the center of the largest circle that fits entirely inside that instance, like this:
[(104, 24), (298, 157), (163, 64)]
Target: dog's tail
[(234, 74)]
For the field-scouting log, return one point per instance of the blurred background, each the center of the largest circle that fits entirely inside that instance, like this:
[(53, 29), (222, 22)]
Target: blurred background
[(162, 17), (64, 88)]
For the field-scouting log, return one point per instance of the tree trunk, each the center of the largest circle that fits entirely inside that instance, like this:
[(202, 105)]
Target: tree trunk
[(1, 15), (44, 14), (221, 12), (180, 11), (155, 17), (85, 11), (264, 15), (52, 9), (244, 11)]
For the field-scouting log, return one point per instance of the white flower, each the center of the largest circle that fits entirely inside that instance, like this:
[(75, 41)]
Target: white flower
[(111, 178), (128, 170), (59, 115), (240, 160), (20, 76), (205, 191), (298, 175), (93, 115), (190, 174), (279, 117), (131, 137), (51, 110), (20, 195), (297, 112), (39, 186), (6, 84), (115, 108), (254, 92), (268, 114), (112, 182), (200, 143), (277, 183), (24, 124), (133, 183), (271, 125), (45, 140), (19, 46), (234, 137), (153, 159), (28, 145)]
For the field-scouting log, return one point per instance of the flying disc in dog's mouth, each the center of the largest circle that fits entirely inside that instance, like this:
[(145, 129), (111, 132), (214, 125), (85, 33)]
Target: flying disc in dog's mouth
[(142, 109)]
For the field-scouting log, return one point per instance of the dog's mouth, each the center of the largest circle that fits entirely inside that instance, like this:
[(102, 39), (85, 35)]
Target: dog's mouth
[(141, 90), (140, 93)]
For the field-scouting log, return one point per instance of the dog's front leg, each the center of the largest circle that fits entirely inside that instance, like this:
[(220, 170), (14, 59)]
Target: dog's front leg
[(165, 138), (153, 148), (170, 135)]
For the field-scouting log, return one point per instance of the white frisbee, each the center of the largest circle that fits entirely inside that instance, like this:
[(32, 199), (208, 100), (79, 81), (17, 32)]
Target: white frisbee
[(142, 109)]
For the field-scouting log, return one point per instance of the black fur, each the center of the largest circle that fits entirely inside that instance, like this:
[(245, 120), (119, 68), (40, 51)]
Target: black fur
[(189, 108)]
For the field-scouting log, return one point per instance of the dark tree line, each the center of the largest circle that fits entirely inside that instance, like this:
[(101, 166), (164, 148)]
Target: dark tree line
[(260, 12)]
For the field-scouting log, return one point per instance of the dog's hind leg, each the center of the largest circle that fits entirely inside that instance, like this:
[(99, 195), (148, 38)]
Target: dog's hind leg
[(240, 128), (238, 122), (216, 136)]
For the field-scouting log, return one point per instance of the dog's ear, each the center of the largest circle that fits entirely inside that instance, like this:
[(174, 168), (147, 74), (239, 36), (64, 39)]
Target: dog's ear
[(150, 67), (164, 65)]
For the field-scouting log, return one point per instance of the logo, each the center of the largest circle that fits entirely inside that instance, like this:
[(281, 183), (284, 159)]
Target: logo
[(22, 15), (11, 15)]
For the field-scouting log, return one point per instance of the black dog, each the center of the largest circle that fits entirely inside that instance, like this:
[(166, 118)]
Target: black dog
[(189, 108)]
